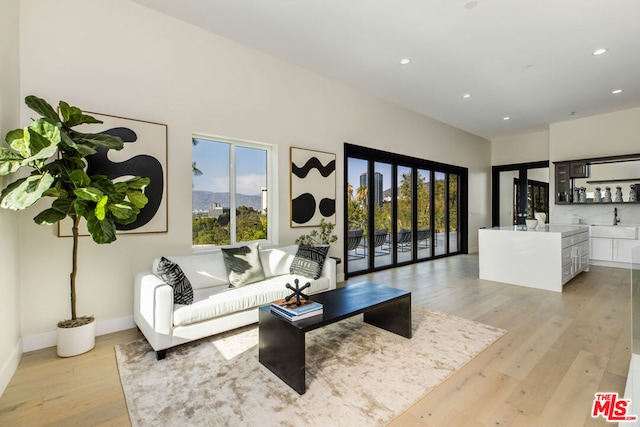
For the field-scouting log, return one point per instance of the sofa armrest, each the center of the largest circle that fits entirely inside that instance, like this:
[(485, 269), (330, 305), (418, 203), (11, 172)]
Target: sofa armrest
[(329, 270), (153, 304)]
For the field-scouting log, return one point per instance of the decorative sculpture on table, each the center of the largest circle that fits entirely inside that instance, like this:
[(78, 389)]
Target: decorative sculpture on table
[(297, 292)]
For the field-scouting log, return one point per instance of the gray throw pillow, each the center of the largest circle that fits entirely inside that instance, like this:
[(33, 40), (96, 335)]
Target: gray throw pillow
[(309, 260), (173, 275), (243, 265)]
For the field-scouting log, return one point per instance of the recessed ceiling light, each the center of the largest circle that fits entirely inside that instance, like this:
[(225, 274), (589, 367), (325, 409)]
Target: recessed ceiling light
[(505, 118), (599, 52), (405, 61), (617, 91), (466, 95)]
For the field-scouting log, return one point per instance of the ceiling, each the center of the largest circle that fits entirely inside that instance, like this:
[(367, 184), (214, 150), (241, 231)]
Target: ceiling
[(529, 60)]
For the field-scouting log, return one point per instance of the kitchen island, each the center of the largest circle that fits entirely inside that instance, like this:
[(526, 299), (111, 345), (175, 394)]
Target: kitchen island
[(542, 258)]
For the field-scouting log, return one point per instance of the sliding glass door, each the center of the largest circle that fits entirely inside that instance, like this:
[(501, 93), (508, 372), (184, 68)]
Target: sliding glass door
[(401, 210)]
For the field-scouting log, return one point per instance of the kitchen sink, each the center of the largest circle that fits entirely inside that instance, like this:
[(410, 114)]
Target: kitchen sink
[(613, 231)]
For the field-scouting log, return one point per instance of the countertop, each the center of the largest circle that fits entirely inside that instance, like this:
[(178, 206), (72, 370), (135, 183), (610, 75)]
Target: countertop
[(564, 229)]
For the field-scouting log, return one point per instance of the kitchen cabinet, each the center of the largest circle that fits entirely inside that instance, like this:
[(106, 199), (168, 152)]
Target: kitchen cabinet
[(563, 183), (610, 249), (594, 172), (575, 255), (622, 249), (579, 169), (541, 258), (601, 249)]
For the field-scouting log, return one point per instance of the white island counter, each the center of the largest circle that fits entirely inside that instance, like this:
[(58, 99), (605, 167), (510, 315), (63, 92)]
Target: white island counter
[(544, 258)]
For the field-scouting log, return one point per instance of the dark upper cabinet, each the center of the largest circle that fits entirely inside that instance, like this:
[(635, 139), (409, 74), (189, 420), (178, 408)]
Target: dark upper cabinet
[(563, 183), (579, 169)]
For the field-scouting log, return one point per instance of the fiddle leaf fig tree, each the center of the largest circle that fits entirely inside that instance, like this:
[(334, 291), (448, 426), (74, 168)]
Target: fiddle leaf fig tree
[(55, 154)]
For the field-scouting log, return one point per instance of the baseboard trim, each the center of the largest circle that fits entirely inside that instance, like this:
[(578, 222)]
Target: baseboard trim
[(48, 339), (10, 366)]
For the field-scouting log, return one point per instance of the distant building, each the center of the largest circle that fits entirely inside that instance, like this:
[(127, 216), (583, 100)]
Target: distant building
[(264, 201), (216, 210), (377, 187)]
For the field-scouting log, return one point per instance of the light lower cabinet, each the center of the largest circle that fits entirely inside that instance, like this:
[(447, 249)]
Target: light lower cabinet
[(622, 249), (575, 255), (607, 249), (601, 249)]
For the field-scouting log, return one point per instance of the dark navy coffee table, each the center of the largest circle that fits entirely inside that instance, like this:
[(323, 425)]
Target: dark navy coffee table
[(282, 342)]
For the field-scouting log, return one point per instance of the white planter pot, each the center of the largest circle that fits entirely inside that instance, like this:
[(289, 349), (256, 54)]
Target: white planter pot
[(75, 341), (532, 224)]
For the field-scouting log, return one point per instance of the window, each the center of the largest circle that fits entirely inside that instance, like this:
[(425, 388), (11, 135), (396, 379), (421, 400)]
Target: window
[(230, 193)]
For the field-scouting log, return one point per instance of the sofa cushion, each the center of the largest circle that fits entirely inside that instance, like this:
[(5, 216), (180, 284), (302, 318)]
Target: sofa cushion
[(309, 260), (276, 261), (243, 264), (202, 270), (237, 299), (173, 275)]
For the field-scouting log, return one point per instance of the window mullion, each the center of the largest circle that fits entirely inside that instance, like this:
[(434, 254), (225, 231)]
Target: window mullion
[(232, 194)]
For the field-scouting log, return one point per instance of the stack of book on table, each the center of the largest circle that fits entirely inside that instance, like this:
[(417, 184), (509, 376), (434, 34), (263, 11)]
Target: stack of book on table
[(290, 310)]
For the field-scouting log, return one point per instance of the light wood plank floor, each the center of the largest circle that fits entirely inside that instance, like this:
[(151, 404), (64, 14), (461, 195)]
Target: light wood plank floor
[(559, 350)]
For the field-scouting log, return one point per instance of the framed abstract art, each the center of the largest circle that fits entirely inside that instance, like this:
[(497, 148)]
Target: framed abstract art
[(144, 154), (313, 187)]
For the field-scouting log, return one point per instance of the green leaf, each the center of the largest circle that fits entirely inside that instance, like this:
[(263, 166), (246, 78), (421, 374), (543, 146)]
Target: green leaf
[(124, 211), (56, 192), (49, 216), (13, 135), (21, 145), (64, 206), (100, 140), (41, 107), (91, 194), (10, 161), (104, 184), (79, 178), (137, 183), (25, 192), (101, 231), (137, 198), (81, 207), (100, 210), (50, 132)]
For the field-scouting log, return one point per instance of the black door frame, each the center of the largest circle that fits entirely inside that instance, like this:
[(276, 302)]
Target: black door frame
[(374, 155), (522, 168)]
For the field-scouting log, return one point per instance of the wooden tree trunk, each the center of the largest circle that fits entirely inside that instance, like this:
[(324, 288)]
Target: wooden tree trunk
[(74, 269)]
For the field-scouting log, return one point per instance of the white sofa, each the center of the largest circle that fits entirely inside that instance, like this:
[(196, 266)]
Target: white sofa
[(216, 307)]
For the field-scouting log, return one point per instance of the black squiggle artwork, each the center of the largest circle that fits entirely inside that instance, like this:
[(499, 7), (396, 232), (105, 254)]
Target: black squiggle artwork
[(140, 165), (313, 163)]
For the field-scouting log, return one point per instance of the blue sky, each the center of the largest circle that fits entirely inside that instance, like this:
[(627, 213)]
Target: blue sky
[(212, 158)]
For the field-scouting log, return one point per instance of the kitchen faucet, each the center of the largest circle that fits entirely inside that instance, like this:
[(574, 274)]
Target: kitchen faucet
[(616, 218)]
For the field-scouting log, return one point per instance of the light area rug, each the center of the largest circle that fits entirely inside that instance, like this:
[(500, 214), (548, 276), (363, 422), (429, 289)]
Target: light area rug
[(356, 375)]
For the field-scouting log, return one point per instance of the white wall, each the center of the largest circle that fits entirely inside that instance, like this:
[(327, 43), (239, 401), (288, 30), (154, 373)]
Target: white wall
[(120, 58), (596, 136), (10, 345), (530, 147)]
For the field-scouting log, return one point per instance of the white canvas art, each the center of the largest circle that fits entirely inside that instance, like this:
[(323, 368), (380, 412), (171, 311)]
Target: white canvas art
[(144, 154), (313, 187)]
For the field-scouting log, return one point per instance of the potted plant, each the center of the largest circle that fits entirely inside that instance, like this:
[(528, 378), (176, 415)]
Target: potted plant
[(55, 153), (323, 237)]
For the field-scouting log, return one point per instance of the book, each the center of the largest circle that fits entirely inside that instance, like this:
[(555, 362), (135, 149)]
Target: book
[(294, 318), (293, 309)]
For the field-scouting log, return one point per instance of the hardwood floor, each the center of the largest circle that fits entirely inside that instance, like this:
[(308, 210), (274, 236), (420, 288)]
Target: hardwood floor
[(559, 351)]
